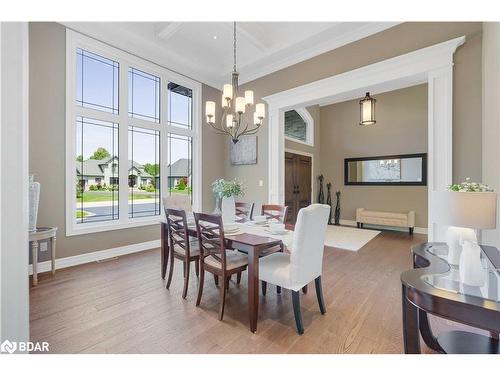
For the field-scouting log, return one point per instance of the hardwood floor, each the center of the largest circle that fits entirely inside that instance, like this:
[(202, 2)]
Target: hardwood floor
[(122, 306)]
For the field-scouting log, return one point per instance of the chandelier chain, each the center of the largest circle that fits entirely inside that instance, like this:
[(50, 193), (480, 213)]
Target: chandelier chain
[(234, 46)]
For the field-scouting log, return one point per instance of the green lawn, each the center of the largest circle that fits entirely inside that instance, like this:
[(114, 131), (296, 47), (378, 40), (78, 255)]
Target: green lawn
[(104, 196), (81, 214), (176, 191)]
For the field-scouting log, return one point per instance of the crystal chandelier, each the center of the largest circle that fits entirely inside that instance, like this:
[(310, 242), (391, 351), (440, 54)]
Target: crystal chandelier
[(237, 118)]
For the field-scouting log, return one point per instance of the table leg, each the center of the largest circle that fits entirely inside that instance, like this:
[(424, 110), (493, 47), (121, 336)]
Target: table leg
[(34, 253), (53, 255), (164, 250), (411, 337), (253, 287)]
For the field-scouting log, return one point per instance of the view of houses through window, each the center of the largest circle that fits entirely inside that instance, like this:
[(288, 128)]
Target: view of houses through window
[(97, 149)]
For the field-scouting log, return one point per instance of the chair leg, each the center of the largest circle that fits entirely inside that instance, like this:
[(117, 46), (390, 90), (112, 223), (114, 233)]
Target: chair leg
[(304, 289), (186, 278), (200, 285), (197, 267), (216, 280), (238, 278), (222, 297), (171, 269), (319, 294), (278, 289), (264, 288), (297, 312)]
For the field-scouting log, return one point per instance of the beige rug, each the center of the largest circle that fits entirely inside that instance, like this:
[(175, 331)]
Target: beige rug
[(348, 238)]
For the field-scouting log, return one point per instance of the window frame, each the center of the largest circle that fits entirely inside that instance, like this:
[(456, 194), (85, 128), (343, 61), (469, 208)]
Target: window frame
[(309, 120), (126, 60)]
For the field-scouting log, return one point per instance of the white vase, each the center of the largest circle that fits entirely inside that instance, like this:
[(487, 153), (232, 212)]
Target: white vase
[(470, 268), (455, 236), (228, 209), (34, 198)]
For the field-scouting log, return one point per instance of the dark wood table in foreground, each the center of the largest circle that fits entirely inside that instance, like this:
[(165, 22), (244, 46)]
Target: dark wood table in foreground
[(428, 288), (252, 244)]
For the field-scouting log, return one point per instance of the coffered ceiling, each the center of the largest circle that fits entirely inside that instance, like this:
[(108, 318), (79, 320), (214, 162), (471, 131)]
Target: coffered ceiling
[(204, 50)]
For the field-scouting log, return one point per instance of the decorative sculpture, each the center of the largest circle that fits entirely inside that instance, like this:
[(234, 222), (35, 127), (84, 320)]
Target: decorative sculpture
[(337, 208), (321, 194), (329, 201)]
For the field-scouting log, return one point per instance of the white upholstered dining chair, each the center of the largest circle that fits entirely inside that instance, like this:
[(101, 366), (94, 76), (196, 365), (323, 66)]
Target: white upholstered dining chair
[(304, 263)]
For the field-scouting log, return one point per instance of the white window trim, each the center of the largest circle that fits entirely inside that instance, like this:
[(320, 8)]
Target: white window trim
[(309, 120), (75, 40)]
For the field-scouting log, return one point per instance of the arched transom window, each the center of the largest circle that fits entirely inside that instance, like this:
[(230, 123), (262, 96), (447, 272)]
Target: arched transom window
[(299, 126)]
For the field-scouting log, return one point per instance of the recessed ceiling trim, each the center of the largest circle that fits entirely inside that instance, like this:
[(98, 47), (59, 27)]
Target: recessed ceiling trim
[(168, 31), (283, 59)]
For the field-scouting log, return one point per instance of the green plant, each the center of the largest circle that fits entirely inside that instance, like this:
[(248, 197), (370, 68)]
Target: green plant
[(468, 186), (79, 191), (150, 189), (92, 188), (182, 184), (223, 188)]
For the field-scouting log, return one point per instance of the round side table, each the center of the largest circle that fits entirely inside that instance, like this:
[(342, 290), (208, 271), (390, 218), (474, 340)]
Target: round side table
[(40, 234)]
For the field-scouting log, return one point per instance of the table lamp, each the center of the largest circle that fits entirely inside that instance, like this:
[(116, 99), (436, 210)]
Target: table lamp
[(464, 212)]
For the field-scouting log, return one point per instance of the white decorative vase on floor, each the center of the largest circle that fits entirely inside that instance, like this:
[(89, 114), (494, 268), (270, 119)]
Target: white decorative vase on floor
[(34, 198), (470, 268), (228, 209)]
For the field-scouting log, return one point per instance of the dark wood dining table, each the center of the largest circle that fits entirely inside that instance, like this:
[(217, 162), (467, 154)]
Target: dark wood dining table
[(252, 244)]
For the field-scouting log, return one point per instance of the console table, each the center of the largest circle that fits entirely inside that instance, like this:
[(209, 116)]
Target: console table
[(433, 286)]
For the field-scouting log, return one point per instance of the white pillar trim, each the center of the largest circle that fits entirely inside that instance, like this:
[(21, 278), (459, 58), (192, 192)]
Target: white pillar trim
[(432, 65)]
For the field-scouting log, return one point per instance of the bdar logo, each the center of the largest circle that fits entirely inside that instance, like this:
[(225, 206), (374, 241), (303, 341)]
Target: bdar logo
[(8, 347)]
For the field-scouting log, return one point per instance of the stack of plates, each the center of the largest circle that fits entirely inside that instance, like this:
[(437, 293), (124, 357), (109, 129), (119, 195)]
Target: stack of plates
[(231, 228)]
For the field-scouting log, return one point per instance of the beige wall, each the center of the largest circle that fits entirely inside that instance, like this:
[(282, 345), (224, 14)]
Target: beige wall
[(47, 146), (401, 129), (389, 43)]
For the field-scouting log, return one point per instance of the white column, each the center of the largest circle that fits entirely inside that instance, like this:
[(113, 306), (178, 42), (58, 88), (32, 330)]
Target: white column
[(491, 119), (440, 141), (276, 144), (14, 297)]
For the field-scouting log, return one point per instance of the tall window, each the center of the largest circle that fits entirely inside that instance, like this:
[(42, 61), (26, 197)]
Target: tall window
[(131, 138)]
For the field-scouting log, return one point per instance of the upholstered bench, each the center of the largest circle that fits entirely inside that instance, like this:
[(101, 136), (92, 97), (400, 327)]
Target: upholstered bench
[(393, 219)]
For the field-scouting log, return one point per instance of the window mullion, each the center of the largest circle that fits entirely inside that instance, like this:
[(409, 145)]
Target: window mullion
[(123, 141), (164, 146)]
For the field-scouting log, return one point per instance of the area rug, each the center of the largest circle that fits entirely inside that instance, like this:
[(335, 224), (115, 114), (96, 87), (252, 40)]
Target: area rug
[(348, 238)]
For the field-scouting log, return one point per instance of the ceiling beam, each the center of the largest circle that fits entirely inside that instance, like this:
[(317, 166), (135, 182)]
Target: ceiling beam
[(169, 30)]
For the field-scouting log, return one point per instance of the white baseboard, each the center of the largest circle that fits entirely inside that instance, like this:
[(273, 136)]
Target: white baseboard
[(96, 255), (352, 223)]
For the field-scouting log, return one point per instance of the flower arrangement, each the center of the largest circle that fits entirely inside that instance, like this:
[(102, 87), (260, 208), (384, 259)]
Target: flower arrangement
[(471, 187), (223, 188)]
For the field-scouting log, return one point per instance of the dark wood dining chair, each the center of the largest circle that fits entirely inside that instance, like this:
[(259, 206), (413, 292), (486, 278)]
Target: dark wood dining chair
[(244, 211), (180, 246), (275, 211), (214, 257)]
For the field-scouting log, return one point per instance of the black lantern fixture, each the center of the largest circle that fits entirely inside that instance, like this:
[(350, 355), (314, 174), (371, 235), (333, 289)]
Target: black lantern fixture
[(367, 110)]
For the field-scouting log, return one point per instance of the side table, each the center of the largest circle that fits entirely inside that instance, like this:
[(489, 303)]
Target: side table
[(40, 234)]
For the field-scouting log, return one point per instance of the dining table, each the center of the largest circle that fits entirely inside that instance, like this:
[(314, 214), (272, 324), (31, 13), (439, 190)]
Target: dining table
[(252, 239)]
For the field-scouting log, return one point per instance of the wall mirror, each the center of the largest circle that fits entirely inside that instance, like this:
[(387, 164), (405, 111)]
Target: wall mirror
[(409, 169)]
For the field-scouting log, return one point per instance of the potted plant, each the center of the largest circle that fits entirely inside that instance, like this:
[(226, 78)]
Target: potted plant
[(224, 192)]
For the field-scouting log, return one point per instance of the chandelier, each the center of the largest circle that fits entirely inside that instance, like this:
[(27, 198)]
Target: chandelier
[(237, 118)]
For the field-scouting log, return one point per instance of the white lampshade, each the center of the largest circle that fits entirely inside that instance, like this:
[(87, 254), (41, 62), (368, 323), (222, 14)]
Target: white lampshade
[(256, 119), (475, 210), (249, 97), (210, 109), (227, 91), (261, 110), (229, 121), (240, 104)]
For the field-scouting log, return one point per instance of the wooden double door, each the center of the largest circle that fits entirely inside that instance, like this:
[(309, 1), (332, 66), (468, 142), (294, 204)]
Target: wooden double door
[(298, 173)]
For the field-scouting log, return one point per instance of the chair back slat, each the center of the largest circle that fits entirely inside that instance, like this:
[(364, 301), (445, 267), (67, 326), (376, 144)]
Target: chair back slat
[(244, 211), (275, 211), (177, 229), (211, 237)]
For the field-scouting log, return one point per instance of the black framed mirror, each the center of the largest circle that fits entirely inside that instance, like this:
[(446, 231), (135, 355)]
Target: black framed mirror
[(406, 170)]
